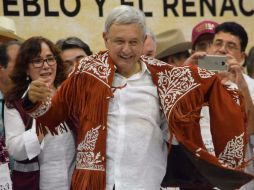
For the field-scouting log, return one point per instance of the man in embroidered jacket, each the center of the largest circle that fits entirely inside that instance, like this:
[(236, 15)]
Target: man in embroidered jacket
[(122, 138)]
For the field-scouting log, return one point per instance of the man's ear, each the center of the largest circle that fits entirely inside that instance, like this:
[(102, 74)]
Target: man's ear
[(105, 37), (145, 38), (243, 56)]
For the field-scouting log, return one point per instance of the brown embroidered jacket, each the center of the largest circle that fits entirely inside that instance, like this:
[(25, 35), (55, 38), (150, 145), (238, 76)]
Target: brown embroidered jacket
[(182, 92)]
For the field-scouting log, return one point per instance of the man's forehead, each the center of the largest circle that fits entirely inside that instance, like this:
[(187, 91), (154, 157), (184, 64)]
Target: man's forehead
[(227, 36), (132, 26), (129, 36)]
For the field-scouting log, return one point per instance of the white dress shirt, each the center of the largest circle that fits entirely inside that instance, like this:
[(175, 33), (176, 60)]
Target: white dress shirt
[(137, 134)]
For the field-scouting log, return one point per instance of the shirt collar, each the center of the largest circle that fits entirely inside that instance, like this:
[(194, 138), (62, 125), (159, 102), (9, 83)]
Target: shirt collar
[(143, 71), (144, 68)]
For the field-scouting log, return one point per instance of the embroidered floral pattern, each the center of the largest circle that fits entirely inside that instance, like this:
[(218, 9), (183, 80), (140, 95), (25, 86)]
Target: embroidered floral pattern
[(232, 89), (86, 157), (173, 85), (42, 109), (96, 65), (152, 61), (232, 156), (205, 73)]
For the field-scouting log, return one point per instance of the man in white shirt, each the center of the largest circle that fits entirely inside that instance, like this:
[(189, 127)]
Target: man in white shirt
[(124, 102)]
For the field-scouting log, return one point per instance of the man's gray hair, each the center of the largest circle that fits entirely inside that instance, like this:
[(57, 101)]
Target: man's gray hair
[(149, 32), (126, 15)]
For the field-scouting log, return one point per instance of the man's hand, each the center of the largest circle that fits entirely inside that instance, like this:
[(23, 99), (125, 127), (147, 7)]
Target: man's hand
[(193, 59), (234, 73), (39, 90)]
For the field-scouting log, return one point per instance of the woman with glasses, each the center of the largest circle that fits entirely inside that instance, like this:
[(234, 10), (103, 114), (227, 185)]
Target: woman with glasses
[(38, 59)]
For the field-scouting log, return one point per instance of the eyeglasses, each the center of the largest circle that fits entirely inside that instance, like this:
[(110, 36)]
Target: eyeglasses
[(229, 46), (38, 63)]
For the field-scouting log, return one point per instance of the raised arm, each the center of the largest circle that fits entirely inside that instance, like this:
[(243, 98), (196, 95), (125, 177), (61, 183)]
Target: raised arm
[(49, 112)]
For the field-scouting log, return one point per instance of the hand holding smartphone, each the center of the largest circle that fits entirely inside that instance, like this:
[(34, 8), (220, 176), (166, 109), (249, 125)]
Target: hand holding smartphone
[(213, 63)]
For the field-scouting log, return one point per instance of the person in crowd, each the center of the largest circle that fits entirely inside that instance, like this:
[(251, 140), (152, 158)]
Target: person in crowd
[(202, 35), (149, 44), (38, 58), (8, 30), (250, 63), (73, 49), (131, 107), (202, 39), (172, 47), (59, 42), (230, 39), (7, 34), (8, 54)]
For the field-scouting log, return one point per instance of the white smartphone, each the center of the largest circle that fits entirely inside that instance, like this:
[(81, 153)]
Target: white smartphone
[(213, 63)]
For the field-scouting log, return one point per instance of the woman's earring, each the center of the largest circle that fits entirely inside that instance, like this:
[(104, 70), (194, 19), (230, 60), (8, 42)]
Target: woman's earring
[(27, 78)]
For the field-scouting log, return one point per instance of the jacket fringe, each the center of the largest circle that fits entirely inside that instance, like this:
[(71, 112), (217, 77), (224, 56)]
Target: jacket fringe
[(88, 180)]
